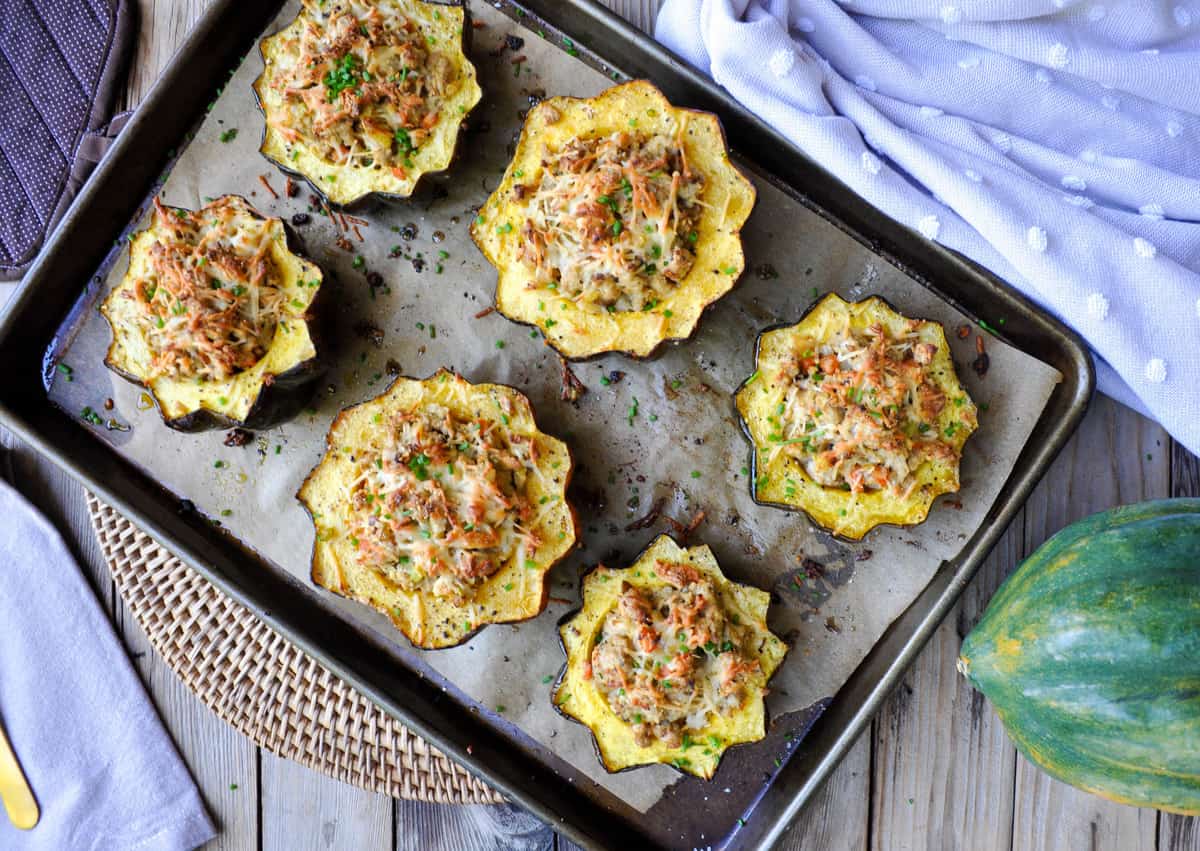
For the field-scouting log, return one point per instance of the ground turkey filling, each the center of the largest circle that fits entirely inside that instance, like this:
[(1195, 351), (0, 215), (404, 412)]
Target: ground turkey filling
[(610, 222), (860, 410), (365, 87), (209, 305), (667, 658), (440, 504)]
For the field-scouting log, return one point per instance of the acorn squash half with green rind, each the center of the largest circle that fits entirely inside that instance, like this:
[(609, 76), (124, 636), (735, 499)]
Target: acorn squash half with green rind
[(856, 416), (616, 223), (1090, 655), (217, 317), (364, 97), (441, 504), (697, 743)]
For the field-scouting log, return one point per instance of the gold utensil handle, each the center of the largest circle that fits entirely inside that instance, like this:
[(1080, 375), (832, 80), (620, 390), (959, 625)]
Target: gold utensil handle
[(14, 789)]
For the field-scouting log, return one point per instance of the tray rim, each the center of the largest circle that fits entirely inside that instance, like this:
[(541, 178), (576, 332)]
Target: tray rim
[(854, 705)]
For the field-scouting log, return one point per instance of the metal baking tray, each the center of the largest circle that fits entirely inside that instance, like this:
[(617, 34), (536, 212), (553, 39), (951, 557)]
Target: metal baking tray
[(519, 768)]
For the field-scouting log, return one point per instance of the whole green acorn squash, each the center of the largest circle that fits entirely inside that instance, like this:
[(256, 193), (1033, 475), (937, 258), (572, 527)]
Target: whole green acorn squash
[(1090, 654)]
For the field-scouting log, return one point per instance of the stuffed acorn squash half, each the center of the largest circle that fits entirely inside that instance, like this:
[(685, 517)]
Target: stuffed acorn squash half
[(442, 505), (216, 317), (366, 96), (668, 661), (856, 415), (617, 222)]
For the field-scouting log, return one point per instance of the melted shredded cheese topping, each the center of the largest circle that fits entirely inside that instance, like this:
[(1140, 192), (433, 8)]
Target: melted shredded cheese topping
[(667, 658), (440, 503), (209, 306), (362, 85), (610, 222), (860, 410)]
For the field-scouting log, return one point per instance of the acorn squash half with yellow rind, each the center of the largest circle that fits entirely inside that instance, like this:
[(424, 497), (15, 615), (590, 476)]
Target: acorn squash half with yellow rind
[(354, 58), (701, 747), (578, 326), (378, 451), (169, 317), (920, 409)]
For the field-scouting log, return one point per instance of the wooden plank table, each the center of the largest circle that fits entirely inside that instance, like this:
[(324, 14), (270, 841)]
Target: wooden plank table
[(935, 771)]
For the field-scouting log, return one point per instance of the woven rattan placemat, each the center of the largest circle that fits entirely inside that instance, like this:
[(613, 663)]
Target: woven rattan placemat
[(265, 686)]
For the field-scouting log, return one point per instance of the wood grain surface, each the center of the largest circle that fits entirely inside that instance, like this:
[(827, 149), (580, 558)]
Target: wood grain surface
[(935, 771)]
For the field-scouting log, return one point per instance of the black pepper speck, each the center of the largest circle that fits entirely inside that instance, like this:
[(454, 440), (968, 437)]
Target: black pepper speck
[(238, 437)]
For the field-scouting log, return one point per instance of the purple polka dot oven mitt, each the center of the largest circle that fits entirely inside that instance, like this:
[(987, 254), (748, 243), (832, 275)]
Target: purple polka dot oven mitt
[(62, 64)]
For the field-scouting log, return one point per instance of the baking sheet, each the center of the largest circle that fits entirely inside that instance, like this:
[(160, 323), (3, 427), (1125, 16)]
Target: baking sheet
[(659, 430)]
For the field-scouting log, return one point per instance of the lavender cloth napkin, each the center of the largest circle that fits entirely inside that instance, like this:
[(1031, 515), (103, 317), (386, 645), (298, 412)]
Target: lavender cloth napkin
[(61, 65), (1057, 142), (102, 768)]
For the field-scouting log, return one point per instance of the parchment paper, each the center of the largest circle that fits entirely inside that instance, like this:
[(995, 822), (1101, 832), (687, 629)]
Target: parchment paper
[(662, 429)]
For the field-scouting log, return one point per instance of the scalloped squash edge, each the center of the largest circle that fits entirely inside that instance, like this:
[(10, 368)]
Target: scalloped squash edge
[(730, 196), (785, 483), (515, 592), (341, 186), (579, 699), (271, 391)]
